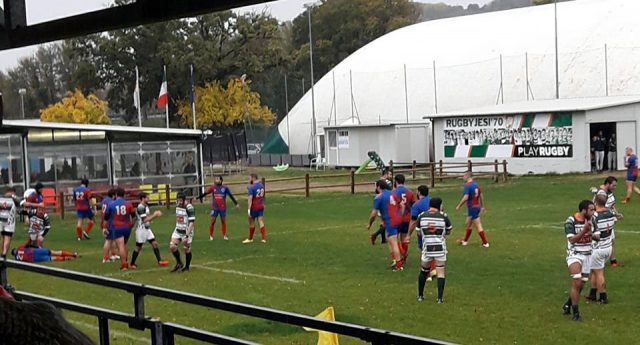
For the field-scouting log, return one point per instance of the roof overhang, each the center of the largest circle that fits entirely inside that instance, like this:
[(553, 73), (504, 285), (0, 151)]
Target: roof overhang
[(543, 106), (15, 32)]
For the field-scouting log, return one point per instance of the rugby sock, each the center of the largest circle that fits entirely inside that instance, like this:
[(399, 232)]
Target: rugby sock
[(399, 264), (252, 231), (224, 229), (134, 257), (79, 231), (603, 297), (176, 255), (211, 230), (467, 234), (156, 251), (263, 233), (65, 253), (440, 287), (576, 310), (401, 250), (592, 294), (568, 302), (483, 236), (188, 260), (89, 226), (422, 280)]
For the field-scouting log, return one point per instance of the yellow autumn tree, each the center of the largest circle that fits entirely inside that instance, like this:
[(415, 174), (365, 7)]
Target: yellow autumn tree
[(76, 108), (230, 106)]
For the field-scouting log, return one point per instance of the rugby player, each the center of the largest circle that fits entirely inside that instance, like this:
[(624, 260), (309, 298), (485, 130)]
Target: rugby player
[(606, 190), (183, 232), (631, 163), (108, 244), (85, 209), (30, 254), (407, 199), (39, 226), (386, 176), (391, 210), (475, 206), (33, 197), (434, 226), (422, 205), (118, 217), (143, 231), (577, 229), (255, 209), (219, 205), (603, 229), (9, 203)]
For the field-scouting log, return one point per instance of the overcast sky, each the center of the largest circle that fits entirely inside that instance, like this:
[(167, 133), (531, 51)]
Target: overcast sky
[(44, 10)]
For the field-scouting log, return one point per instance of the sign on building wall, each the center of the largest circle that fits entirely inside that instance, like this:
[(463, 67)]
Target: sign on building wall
[(521, 136), (343, 139)]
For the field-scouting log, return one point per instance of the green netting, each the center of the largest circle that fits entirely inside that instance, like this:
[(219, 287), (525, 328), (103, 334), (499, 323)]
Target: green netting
[(274, 143)]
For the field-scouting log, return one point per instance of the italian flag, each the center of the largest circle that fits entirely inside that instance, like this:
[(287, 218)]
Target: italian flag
[(163, 97)]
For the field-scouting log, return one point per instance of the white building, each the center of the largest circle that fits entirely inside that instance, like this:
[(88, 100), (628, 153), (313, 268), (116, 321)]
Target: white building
[(393, 80), (549, 136), (347, 145)]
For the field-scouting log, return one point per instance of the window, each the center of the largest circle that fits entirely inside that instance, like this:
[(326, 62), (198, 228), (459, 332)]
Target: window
[(333, 141), (343, 139), (11, 169)]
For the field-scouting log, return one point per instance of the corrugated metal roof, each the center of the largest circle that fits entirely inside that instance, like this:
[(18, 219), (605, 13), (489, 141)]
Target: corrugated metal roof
[(106, 128), (542, 106)]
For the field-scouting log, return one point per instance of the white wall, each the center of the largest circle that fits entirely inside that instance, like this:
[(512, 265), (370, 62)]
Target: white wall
[(581, 160), (400, 143)]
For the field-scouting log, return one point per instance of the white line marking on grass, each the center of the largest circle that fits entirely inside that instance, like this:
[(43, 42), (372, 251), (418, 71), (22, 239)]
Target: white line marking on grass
[(248, 274), (228, 261), (111, 331)]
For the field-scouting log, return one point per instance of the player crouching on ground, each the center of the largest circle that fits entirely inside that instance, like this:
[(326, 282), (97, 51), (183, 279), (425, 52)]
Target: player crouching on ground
[(391, 209), (434, 226), (577, 229), (143, 231), (183, 232), (603, 227), (39, 226)]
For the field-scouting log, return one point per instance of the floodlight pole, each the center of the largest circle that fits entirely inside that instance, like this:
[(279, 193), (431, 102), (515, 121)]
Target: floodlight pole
[(313, 96), (555, 12), (22, 92)]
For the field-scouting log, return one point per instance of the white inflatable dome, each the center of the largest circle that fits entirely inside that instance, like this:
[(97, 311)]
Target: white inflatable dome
[(467, 51)]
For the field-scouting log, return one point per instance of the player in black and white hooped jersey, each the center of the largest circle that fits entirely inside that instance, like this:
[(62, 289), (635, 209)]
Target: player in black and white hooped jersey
[(183, 232), (9, 204), (578, 229), (607, 189), (434, 226), (39, 225), (604, 221), (144, 232)]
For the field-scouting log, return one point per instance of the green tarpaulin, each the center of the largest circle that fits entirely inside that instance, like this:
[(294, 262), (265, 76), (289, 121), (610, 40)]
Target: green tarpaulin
[(274, 143)]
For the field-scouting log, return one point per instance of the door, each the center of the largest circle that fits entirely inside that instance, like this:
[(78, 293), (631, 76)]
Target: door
[(626, 133)]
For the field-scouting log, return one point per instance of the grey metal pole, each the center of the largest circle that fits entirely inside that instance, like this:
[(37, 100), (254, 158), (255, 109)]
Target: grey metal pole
[(526, 73), (351, 88), (313, 96), (435, 87), (606, 70), (406, 93), (286, 104), (501, 82), (555, 12), (335, 105)]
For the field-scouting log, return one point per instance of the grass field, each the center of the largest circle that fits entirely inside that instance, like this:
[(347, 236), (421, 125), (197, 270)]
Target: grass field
[(318, 255)]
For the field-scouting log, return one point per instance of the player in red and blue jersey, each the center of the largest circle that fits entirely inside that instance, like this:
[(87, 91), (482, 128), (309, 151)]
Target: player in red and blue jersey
[(391, 210), (256, 208), (406, 196), (475, 206), (33, 197), (118, 217), (85, 208), (31, 254), (631, 163), (108, 244), (219, 205)]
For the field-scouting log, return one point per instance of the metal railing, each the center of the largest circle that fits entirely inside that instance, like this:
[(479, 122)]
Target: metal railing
[(164, 333)]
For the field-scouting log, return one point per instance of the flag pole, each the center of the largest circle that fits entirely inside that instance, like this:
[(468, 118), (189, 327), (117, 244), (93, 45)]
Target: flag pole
[(193, 98), (137, 96), (167, 105)]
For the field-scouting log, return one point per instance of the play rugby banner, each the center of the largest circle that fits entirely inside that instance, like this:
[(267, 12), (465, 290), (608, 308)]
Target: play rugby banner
[(521, 136)]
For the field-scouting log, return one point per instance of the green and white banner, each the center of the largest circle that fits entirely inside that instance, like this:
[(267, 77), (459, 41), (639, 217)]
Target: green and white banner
[(523, 136)]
